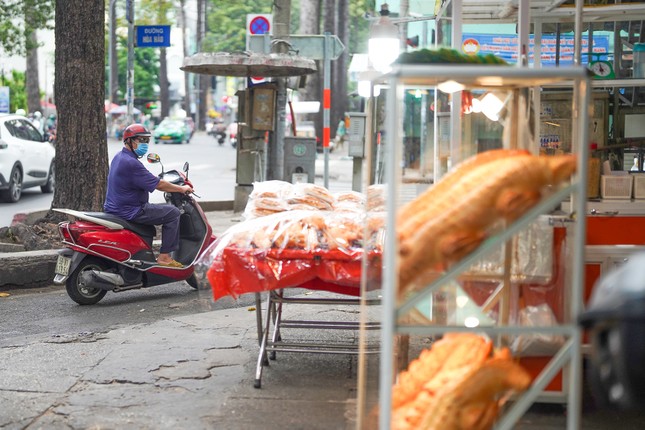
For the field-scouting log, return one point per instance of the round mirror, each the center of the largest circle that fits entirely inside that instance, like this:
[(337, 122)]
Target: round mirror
[(153, 158)]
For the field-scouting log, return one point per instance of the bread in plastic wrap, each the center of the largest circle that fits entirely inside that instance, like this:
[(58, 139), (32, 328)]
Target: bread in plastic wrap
[(455, 220), (296, 249)]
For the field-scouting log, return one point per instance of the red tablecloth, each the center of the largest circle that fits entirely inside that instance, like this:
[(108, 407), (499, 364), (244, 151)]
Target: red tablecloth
[(238, 271)]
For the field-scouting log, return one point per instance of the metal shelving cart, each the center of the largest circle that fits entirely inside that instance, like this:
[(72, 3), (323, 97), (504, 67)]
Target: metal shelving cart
[(488, 78)]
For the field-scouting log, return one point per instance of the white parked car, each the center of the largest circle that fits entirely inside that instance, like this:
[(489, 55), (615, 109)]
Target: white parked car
[(26, 158)]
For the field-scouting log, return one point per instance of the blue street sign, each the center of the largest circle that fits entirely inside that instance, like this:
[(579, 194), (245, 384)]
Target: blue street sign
[(4, 99), (152, 36)]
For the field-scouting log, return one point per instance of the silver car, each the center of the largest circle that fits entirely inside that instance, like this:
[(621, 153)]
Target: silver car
[(26, 158)]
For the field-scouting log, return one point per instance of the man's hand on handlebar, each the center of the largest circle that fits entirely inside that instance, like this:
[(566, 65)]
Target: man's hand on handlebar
[(186, 189)]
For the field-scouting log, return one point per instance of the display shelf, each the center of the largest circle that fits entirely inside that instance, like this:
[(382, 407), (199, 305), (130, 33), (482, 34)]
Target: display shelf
[(489, 78), (484, 77)]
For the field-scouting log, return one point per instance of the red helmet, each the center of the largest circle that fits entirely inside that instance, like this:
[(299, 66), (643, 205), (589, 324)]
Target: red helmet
[(135, 130)]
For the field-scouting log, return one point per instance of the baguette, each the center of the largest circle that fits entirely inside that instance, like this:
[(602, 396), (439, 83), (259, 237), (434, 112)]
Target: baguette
[(501, 189)]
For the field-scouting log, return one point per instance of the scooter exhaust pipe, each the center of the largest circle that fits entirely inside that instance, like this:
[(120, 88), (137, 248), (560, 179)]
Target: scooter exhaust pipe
[(102, 280)]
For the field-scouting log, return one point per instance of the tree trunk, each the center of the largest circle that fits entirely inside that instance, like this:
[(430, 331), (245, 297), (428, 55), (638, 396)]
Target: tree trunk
[(31, 72), (310, 24), (339, 103), (81, 149)]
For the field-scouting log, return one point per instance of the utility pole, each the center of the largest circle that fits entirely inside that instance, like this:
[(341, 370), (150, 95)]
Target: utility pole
[(129, 15), (275, 158), (113, 74)]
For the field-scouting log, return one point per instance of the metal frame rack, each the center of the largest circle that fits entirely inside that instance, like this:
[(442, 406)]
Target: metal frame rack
[(270, 333), (490, 78)]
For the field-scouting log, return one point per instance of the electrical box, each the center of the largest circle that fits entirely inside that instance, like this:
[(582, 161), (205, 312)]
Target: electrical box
[(356, 134), (299, 159)]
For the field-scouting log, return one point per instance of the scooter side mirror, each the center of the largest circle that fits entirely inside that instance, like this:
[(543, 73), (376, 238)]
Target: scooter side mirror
[(186, 166), (153, 158)]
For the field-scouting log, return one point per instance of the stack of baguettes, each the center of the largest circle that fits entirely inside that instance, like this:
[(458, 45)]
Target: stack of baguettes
[(453, 217), (460, 383)]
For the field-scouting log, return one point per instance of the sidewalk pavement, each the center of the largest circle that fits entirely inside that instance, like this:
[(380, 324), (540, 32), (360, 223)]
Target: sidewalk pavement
[(189, 372), (197, 372)]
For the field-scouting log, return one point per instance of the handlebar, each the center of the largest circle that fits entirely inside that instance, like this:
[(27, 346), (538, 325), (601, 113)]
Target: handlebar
[(177, 178)]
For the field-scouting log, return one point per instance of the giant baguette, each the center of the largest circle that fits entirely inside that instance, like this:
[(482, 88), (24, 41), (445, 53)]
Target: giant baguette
[(449, 179), (504, 188), (414, 214), (472, 401)]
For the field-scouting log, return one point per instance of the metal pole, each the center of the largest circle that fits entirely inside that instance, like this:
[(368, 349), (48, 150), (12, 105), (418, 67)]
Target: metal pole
[(455, 107), (111, 62), (281, 16), (326, 106), (130, 82), (523, 33)]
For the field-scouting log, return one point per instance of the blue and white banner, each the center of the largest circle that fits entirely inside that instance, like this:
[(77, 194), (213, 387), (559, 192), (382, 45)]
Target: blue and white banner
[(505, 46), (4, 99)]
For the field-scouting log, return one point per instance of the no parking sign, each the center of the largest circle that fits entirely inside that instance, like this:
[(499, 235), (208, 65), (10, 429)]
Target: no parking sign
[(258, 24)]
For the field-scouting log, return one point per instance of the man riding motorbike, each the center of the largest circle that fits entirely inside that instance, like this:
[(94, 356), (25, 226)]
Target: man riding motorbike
[(129, 186)]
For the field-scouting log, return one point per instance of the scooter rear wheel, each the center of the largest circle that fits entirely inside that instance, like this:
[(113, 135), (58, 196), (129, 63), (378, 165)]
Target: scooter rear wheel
[(80, 293), (193, 282)]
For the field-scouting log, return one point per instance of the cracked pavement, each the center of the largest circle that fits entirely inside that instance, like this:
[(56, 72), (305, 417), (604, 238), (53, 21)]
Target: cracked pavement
[(184, 372)]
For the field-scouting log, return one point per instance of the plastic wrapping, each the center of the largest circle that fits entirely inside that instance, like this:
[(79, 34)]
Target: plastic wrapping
[(536, 344), (532, 255), (296, 248), (272, 197)]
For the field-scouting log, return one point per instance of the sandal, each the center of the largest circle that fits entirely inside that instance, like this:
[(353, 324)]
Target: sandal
[(171, 263)]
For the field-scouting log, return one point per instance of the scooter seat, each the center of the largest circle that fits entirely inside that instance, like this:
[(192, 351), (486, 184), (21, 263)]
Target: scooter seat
[(145, 230)]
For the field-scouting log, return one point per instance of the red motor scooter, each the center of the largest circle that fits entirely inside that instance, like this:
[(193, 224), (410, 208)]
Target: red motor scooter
[(107, 253)]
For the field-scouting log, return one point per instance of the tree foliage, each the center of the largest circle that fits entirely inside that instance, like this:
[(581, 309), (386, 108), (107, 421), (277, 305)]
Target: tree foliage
[(15, 30), (146, 70), (146, 60), (226, 22), (18, 95)]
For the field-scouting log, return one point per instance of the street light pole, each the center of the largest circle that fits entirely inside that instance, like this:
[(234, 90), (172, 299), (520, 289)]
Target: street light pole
[(130, 84), (275, 158), (111, 61)]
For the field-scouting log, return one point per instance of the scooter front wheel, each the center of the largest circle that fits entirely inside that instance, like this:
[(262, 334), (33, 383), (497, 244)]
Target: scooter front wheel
[(80, 293)]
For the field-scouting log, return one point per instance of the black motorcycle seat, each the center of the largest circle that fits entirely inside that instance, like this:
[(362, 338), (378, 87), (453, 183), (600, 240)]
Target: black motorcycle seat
[(145, 230)]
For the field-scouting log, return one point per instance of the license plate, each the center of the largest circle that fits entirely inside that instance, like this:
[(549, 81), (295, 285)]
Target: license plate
[(62, 265), (165, 138)]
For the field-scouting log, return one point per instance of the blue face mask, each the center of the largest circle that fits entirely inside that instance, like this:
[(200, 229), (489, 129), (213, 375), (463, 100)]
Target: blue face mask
[(141, 150)]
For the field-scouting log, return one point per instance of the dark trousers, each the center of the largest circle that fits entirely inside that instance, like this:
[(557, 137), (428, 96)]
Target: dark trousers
[(168, 217)]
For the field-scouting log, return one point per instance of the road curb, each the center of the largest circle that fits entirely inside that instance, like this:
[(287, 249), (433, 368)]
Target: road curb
[(27, 269), (31, 269)]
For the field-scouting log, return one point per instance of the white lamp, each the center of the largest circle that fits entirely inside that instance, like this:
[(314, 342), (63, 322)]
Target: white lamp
[(384, 43), (450, 87), (491, 106), (364, 89)]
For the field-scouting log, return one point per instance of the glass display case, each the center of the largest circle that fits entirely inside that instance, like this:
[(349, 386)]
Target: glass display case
[(484, 287)]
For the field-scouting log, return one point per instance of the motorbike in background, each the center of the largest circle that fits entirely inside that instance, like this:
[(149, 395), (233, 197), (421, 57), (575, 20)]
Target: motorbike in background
[(106, 253), (232, 133)]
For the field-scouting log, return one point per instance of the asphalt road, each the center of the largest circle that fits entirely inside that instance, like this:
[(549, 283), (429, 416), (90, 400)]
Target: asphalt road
[(212, 171), (49, 311)]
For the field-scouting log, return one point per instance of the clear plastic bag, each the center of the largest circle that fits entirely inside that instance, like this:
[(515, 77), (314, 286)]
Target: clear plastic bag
[(295, 248), (536, 344)]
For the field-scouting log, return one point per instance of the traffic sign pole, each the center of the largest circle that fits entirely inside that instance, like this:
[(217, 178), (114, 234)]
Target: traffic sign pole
[(130, 73), (326, 106), (325, 47)]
